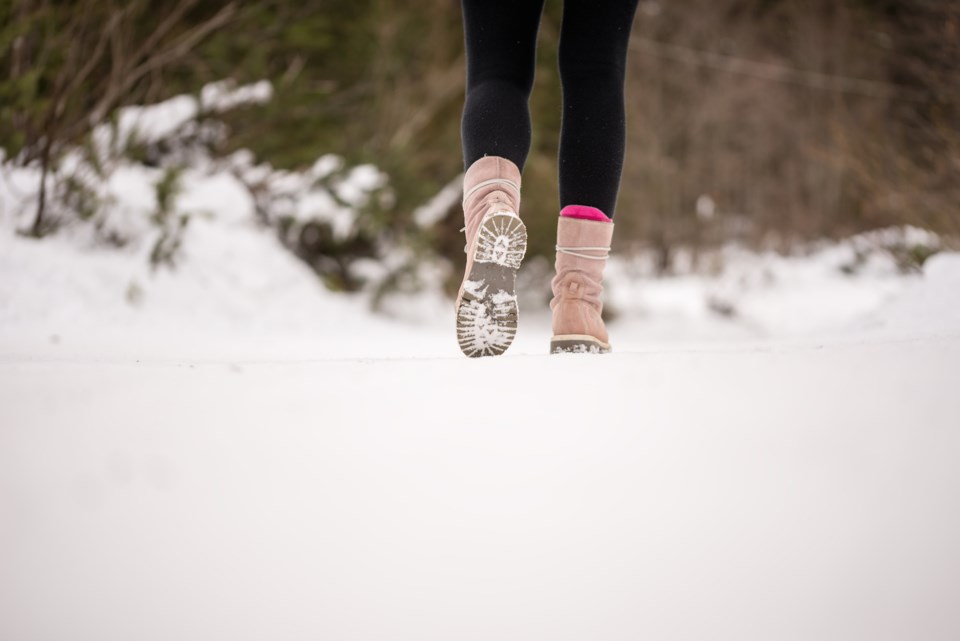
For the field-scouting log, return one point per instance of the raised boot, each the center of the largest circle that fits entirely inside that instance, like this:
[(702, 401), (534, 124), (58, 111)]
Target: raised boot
[(583, 245), (486, 305)]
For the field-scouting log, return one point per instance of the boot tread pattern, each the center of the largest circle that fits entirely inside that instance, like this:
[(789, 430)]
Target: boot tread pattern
[(487, 315)]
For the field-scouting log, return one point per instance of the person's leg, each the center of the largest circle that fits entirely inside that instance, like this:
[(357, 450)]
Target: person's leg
[(592, 60), (500, 38)]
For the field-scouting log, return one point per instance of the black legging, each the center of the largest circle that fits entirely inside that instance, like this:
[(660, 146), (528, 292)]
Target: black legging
[(501, 43)]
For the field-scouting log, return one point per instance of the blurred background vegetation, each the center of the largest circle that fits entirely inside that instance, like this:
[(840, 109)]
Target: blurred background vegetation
[(766, 122)]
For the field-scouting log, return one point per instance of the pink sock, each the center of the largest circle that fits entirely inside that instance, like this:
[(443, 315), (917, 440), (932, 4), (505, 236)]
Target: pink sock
[(585, 212)]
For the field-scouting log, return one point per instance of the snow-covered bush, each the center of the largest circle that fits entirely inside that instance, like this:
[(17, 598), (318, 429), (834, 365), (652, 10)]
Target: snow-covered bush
[(141, 177), (909, 248)]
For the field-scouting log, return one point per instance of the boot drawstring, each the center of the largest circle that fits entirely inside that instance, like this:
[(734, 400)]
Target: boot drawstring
[(493, 181), (569, 250)]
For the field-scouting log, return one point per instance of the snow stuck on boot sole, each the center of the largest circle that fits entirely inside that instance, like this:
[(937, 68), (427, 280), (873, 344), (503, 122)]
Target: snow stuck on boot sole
[(487, 315), (577, 344)]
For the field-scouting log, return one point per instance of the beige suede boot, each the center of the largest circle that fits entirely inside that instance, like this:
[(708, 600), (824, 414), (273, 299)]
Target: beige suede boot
[(582, 250), (496, 242)]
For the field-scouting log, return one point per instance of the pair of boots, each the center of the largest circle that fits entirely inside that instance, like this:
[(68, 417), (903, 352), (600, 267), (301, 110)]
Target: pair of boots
[(486, 304)]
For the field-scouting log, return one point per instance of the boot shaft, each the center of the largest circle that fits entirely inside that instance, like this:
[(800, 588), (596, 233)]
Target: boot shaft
[(492, 183), (582, 249)]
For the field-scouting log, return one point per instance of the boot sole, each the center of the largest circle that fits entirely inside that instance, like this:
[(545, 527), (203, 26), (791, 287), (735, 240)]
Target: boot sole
[(487, 314), (578, 344)]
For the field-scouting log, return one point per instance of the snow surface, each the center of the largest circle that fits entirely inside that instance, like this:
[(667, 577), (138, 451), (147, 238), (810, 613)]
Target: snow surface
[(226, 450)]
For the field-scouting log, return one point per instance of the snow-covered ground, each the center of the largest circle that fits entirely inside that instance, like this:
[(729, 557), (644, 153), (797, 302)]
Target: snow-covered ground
[(226, 450)]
